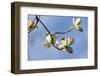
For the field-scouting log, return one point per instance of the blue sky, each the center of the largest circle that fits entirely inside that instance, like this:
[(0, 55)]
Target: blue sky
[(36, 38)]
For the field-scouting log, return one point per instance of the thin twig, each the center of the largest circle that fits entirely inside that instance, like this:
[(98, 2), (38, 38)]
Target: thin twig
[(49, 33), (35, 24), (63, 32), (43, 25)]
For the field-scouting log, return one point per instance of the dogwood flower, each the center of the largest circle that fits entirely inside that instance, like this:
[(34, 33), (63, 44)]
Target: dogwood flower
[(77, 24), (31, 26)]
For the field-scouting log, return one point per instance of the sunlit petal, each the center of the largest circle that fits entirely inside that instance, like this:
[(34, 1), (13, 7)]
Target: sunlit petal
[(48, 37), (69, 41), (77, 24), (31, 26), (78, 21), (47, 44)]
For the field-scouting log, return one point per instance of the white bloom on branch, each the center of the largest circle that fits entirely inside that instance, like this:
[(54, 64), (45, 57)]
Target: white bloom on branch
[(49, 40), (66, 44), (31, 26), (77, 24)]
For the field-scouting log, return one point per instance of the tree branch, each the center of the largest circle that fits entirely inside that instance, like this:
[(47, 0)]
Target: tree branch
[(43, 25), (63, 32), (35, 24), (48, 32)]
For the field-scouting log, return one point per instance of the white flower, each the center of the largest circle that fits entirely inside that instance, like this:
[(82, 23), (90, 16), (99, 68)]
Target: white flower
[(77, 24), (66, 44), (48, 37), (59, 45), (49, 40), (31, 26), (67, 41)]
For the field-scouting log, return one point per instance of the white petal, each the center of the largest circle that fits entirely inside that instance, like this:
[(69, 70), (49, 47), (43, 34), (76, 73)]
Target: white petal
[(47, 44), (29, 23), (78, 21), (69, 41), (57, 43), (48, 38), (63, 41)]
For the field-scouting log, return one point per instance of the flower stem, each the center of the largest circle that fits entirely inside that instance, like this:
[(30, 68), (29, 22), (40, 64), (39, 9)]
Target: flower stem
[(63, 32), (48, 32), (43, 25)]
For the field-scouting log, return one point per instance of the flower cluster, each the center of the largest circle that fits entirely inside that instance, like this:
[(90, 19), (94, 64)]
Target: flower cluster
[(65, 43)]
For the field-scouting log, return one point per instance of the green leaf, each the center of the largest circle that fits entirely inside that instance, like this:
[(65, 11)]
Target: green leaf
[(48, 37)]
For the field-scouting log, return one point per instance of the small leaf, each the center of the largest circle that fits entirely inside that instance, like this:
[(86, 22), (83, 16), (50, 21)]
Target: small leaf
[(69, 49), (48, 37), (67, 41)]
